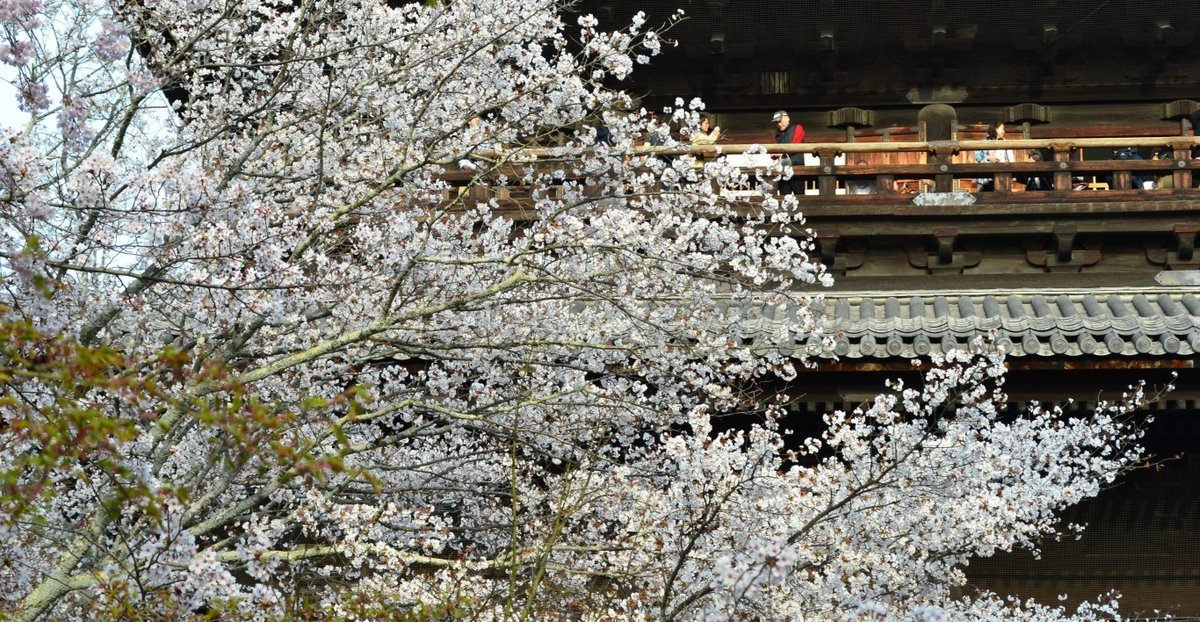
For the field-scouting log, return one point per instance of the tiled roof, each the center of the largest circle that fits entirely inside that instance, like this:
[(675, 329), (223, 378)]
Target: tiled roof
[(1029, 325)]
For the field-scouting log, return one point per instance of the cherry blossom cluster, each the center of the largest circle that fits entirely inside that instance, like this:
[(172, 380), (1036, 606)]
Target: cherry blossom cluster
[(481, 390), (20, 13)]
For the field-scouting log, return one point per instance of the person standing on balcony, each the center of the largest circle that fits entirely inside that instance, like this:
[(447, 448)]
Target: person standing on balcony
[(787, 133), (1038, 182), (995, 132), (706, 134)]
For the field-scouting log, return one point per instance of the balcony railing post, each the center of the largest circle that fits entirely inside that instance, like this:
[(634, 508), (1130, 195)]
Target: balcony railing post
[(1062, 177), (1182, 177), (827, 181), (1004, 182), (943, 156), (479, 193)]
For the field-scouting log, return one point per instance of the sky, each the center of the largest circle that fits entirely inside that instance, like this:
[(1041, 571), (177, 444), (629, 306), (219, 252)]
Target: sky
[(10, 115)]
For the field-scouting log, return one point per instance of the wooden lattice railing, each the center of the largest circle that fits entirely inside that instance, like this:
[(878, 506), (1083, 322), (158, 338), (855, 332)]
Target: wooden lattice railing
[(896, 168)]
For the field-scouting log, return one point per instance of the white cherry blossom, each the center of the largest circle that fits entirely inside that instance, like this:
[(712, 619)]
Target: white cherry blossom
[(345, 378)]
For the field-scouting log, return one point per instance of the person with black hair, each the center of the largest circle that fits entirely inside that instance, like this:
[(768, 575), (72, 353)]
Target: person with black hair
[(1037, 182), (706, 133), (1129, 153), (995, 131)]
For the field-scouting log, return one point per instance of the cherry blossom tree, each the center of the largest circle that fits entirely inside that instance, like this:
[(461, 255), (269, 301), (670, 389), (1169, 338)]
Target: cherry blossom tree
[(277, 347)]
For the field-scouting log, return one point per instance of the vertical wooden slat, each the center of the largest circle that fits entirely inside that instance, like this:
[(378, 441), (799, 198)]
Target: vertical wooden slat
[(1062, 179), (827, 181), (1182, 177)]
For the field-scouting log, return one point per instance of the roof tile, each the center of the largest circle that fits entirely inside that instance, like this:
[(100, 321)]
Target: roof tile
[(1120, 324)]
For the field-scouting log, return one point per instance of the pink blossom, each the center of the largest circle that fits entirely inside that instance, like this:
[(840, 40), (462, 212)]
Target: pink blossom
[(112, 43), (17, 54), (19, 13)]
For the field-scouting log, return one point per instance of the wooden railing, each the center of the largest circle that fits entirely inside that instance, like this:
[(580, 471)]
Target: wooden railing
[(943, 166)]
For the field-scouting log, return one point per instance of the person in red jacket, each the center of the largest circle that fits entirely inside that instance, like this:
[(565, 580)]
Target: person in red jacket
[(787, 132)]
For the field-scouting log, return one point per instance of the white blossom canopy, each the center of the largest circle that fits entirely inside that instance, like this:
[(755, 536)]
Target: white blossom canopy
[(349, 382)]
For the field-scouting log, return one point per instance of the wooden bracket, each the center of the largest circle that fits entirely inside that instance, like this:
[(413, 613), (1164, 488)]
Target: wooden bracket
[(947, 260), (1065, 257), (1064, 241), (1185, 235), (945, 243), (1184, 255), (835, 262), (827, 245)]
